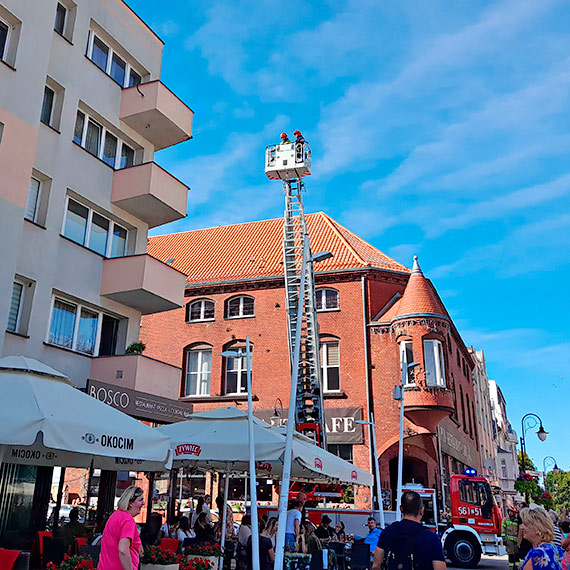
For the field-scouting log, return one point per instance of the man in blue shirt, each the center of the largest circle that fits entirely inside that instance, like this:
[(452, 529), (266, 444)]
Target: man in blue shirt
[(373, 534), (425, 545)]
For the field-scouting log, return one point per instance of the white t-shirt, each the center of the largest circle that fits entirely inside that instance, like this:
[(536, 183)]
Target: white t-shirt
[(292, 516), (181, 535)]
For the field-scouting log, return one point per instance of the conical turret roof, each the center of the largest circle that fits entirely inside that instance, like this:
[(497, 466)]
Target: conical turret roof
[(419, 298)]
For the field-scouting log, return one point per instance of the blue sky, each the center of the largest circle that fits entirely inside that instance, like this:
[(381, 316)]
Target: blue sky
[(437, 128)]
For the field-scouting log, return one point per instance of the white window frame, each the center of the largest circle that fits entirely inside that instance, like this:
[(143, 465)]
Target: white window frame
[(7, 43), (404, 344), (62, 33), (435, 348), (321, 299), (49, 122), (200, 389), (128, 66), (16, 329), (240, 315), (202, 302), (38, 200), (110, 233), (241, 369), (324, 346), (101, 152)]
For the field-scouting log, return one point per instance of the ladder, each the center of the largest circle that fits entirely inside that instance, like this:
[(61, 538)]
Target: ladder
[(309, 410)]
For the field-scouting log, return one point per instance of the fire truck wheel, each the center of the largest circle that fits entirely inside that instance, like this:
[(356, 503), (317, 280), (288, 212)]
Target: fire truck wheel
[(463, 550)]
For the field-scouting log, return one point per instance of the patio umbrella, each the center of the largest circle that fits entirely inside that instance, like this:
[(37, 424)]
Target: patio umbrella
[(45, 420)]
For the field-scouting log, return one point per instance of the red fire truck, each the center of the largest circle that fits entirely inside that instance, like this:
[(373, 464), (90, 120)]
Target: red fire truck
[(473, 529)]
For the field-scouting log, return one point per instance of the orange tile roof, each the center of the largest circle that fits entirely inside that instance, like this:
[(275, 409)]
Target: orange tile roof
[(254, 250), (419, 298)]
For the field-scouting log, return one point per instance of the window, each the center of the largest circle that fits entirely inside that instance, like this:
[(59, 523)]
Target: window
[(4, 31), (34, 193), (198, 372), (100, 142), (327, 299), (330, 366), (81, 328), (10, 28), (91, 229), (60, 17), (342, 450), (504, 472), (434, 363), (15, 307), (449, 347), (201, 310), (407, 356), (236, 372), (239, 307), (47, 106), (106, 59)]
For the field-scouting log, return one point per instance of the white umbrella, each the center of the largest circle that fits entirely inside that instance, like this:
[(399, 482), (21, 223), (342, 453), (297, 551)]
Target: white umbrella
[(45, 420)]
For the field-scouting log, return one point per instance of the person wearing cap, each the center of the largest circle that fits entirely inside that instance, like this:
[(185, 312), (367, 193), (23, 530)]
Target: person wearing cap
[(324, 530), (284, 139), (299, 138)]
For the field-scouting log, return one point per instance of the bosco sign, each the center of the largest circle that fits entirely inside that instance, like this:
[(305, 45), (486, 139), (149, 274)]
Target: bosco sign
[(115, 398)]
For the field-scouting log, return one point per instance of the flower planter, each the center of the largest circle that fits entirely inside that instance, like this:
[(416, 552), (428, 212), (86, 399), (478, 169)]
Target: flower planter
[(160, 566), (213, 560)]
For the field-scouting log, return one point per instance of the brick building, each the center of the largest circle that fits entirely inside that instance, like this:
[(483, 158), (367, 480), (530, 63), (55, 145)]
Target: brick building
[(370, 309)]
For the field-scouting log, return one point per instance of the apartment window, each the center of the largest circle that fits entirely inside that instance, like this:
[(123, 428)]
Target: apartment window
[(34, 195), (239, 307), (407, 356), (504, 472), (47, 105), (434, 363), (327, 299), (458, 358), (342, 450), (236, 372), (1, 131), (4, 31), (79, 328), (91, 229), (449, 347), (200, 310), (198, 372), (114, 65), (60, 17), (100, 142), (330, 366), (15, 307)]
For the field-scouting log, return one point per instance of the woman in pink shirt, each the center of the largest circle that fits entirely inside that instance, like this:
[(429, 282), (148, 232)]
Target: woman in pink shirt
[(121, 543)]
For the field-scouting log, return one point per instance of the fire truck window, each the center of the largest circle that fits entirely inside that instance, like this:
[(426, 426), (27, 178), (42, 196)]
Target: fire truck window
[(428, 517), (467, 493)]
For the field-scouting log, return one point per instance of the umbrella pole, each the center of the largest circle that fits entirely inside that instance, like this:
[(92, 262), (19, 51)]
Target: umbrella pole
[(224, 516), (58, 499), (88, 494)]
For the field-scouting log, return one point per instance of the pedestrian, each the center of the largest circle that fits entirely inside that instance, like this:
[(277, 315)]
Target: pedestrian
[(557, 534), (373, 534), (511, 529), (324, 530), (293, 525), (266, 551), (121, 543), (299, 138), (72, 530), (538, 528), (407, 544), (284, 139), (303, 498)]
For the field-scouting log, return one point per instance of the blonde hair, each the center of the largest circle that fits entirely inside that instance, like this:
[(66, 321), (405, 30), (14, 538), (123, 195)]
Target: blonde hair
[(538, 519), (129, 495)]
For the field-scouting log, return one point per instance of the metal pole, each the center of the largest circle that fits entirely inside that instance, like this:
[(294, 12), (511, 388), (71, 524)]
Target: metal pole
[(401, 440), (286, 478), (252, 479), (377, 472), (224, 517)]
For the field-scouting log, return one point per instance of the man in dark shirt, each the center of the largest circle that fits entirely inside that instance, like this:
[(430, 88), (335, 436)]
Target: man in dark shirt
[(72, 530), (324, 530), (426, 545)]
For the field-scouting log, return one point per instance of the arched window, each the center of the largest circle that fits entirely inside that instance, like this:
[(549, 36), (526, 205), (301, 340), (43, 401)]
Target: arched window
[(198, 370), (407, 356), (434, 363), (326, 299), (235, 369), (200, 310), (330, 365), (238, 307)]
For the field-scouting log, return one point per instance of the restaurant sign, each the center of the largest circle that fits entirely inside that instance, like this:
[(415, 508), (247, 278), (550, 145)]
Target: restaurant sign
[(139, 404), (456, 444), (340, 423)]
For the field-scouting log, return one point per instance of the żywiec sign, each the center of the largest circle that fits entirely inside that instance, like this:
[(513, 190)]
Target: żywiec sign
[(139, 404), (339, 423)]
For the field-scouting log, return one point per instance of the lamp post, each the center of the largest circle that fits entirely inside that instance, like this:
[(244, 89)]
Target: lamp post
[(548, 461), (252, 479), (399, 395), (376, 467), (530, 421), (287, 458)]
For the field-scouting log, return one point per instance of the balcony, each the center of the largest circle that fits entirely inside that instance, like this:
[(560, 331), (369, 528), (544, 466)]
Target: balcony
[(155, 113), (150, 193), (426, 406), (143, 283), (138, 372)]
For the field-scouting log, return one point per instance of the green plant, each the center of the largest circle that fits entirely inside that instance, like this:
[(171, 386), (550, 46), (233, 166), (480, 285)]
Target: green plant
[(526, 485), (135, 348), (195, 564), (205, 550), (153, 555), (75, 562)]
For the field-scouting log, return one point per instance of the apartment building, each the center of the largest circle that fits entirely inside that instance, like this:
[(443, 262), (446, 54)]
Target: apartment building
[(82, 113)]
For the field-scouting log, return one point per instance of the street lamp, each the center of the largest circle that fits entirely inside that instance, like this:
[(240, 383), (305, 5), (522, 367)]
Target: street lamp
[(530, 421), (252, 479), (376, 467), (548, 461), (399, 395), (287, 458)]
